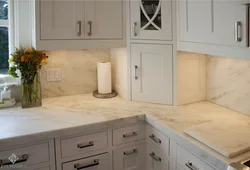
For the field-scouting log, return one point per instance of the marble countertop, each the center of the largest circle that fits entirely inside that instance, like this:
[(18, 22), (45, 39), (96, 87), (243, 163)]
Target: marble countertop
[(62, 115)]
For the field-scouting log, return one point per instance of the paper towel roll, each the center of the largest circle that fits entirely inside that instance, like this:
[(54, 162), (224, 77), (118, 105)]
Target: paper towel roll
[(104, 78)]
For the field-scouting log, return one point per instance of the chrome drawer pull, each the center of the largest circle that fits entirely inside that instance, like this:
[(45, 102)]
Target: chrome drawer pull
[(135, 25), (129, 135), (190, 166), (237, 29), (156, 158), (90, 28), (23, 158), (127, 153), (155, 139), (79, 28), (80, 145), (78, 166), (135, 68)]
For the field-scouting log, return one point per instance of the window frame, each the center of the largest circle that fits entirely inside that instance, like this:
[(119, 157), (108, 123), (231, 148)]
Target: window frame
[(9, 80)]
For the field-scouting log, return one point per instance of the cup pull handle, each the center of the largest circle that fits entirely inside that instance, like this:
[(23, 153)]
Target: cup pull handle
[(135, 26)]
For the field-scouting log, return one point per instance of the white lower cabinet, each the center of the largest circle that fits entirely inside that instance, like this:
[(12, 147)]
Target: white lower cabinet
[(152, 73), (99, 162), (129, 158), (156, 159)]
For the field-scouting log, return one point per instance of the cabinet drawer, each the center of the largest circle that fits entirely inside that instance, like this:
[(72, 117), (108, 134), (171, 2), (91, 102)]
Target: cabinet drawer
[(158, 139), (128, 134), (84, 144), (26, 156), (189, 161), (156, 159), (129, 158), (100, 162)]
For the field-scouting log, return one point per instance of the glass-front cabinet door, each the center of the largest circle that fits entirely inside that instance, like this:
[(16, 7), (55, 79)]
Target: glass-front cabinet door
[(151, 19)]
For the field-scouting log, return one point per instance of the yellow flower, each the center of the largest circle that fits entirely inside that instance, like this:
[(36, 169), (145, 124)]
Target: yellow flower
[(29, 50), (44, 61), (11, 59)]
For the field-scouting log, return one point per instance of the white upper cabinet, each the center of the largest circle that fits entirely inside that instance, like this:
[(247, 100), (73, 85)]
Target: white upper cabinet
[(62, 19), (213, 22), (103, 19), (151, 19), (78, 24), (152, 75)]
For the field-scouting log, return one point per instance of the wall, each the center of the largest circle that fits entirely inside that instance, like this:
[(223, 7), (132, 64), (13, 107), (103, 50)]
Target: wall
[(228, 83), (119, 71), (78, 69)]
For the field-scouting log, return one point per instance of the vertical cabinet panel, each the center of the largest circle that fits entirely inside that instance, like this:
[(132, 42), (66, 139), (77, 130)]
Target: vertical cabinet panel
[(155, 159), (59, 19), (151, 19), (151, 68), (130, 158), (104, 19)]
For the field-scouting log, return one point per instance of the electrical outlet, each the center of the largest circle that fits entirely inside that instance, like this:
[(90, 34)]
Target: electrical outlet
[(54, 74)]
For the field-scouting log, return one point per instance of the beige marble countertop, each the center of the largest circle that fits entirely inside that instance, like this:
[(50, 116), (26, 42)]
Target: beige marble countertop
[(62, 115)]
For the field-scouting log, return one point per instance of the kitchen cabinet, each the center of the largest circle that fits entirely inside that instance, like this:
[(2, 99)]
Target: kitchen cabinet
[(62, 19), (103, 19), (151, 20), (35, 156), (213, 22), (156, 159), (74, 24), (151, 73), (132, 158)]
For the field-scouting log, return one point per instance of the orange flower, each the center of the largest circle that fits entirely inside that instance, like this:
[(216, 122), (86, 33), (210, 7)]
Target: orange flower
[(25, 58)]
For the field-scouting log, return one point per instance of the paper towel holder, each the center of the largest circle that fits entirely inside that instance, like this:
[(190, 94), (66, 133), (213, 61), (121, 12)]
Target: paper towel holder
[(105, 96)]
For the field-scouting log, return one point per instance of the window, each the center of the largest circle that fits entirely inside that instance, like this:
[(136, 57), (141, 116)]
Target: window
[(4, 37)]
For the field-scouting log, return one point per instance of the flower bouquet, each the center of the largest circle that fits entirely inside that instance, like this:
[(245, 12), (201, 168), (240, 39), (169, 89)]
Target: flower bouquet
[(29, 63)]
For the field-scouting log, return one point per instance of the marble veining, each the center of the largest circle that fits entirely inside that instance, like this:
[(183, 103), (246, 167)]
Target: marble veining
[(228, 83), (76, 114), (78, 69)]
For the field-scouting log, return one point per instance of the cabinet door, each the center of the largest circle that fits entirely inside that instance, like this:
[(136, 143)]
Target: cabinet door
[(104, 19), (151, 19), (213, 22), (61, 19), (230, 23), (130, 158), (151, 68), (195, 20), (155, 159)]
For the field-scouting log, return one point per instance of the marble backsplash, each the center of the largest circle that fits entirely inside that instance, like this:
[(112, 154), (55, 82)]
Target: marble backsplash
[(78, 70), (228, 83)]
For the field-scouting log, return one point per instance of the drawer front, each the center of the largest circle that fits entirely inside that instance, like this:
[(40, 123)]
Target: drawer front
[(156, 159), (129, 158), (84, 144), (189, 161), (158, 139), (25, 156), (128, 134), (100, 162)]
